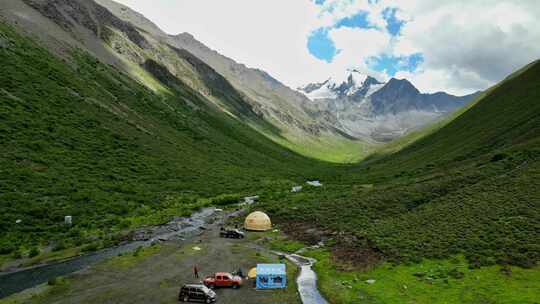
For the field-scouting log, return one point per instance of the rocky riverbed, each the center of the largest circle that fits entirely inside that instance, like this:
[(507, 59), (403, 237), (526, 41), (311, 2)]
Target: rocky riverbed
[(180, 228)]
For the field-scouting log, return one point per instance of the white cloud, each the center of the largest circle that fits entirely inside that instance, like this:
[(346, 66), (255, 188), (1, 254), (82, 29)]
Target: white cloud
[(467, 44), (335, 10), (355, 45)]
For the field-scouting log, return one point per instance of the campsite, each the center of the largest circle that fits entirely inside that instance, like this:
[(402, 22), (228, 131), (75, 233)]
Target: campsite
[(158, 271)]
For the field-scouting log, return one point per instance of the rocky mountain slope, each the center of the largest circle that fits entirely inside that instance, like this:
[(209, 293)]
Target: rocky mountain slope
[(373, 110), (131, 49), (299, 123), (273, 99), (125, 39)]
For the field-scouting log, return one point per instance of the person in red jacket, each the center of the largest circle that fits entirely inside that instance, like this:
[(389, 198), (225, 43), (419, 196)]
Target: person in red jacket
[(195, 271)]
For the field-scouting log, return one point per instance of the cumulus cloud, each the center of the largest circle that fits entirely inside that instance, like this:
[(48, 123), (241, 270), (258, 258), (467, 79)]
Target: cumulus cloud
[(334, 10), (466, 45), (469, 45), (354, 45)]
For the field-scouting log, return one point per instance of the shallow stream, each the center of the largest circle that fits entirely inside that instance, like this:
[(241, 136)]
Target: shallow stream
[(307, 280)]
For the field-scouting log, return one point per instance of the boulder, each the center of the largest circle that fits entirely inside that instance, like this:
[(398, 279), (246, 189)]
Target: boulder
[(4, 43)]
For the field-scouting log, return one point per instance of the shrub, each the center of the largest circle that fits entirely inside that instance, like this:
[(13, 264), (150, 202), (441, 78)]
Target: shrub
[(90, 247), (124, 223), (498, 157), (225, 199), (60, 245), (56, 281), (78, 241), (34, 251), (456, 274), (7, 248), (17, 254)]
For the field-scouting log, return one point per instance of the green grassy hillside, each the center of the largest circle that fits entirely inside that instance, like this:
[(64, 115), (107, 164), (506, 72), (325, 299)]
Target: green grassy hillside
[(80, 138), (470, 188)]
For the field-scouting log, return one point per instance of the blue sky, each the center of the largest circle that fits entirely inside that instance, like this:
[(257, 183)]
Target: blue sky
[(392, 64), (322, 47)]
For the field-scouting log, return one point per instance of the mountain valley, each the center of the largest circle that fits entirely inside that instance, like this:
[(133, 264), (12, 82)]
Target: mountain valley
[(105, 117)]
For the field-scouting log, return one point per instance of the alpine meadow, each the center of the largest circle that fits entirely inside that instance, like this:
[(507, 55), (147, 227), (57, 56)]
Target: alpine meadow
[(140, 165)]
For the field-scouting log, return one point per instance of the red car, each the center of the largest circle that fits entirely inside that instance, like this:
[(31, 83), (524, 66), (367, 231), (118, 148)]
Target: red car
[(223, 279)]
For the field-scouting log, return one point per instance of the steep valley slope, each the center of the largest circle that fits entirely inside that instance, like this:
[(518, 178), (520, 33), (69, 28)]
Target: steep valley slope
[(469, 188), (115, 33), (122, 125), (81, 138)]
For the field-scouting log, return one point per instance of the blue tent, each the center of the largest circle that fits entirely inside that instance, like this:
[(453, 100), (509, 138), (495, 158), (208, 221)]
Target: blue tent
[(271, 276)]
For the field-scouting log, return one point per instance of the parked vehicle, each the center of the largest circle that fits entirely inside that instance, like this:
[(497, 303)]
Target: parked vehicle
[(196, 292), (223, 279), (231, 233)]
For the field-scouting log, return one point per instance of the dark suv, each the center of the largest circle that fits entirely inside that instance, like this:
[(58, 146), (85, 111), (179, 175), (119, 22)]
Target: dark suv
[(196, 292), (231, 233)]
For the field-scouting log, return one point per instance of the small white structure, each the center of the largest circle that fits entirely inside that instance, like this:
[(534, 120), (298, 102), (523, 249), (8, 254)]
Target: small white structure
[(314, 183), (18, 221), (68, 219), (251, 199), (296, 189)]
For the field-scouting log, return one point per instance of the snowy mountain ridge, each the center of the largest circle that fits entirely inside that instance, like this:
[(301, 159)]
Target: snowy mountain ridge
[(348, 84), (370, 109)]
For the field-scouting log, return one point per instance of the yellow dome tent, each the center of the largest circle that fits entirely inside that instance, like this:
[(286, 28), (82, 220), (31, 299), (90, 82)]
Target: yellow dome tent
[(257, 221), (252, 273)]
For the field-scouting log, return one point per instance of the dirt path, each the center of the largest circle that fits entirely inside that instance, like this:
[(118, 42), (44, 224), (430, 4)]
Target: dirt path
[(156, 278)]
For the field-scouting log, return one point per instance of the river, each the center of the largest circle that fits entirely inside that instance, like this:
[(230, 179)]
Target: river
[(179, 228)]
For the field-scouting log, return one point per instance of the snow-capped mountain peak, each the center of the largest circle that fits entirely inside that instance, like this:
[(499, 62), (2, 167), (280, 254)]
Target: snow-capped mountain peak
[(351, 83), (367, 108)]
